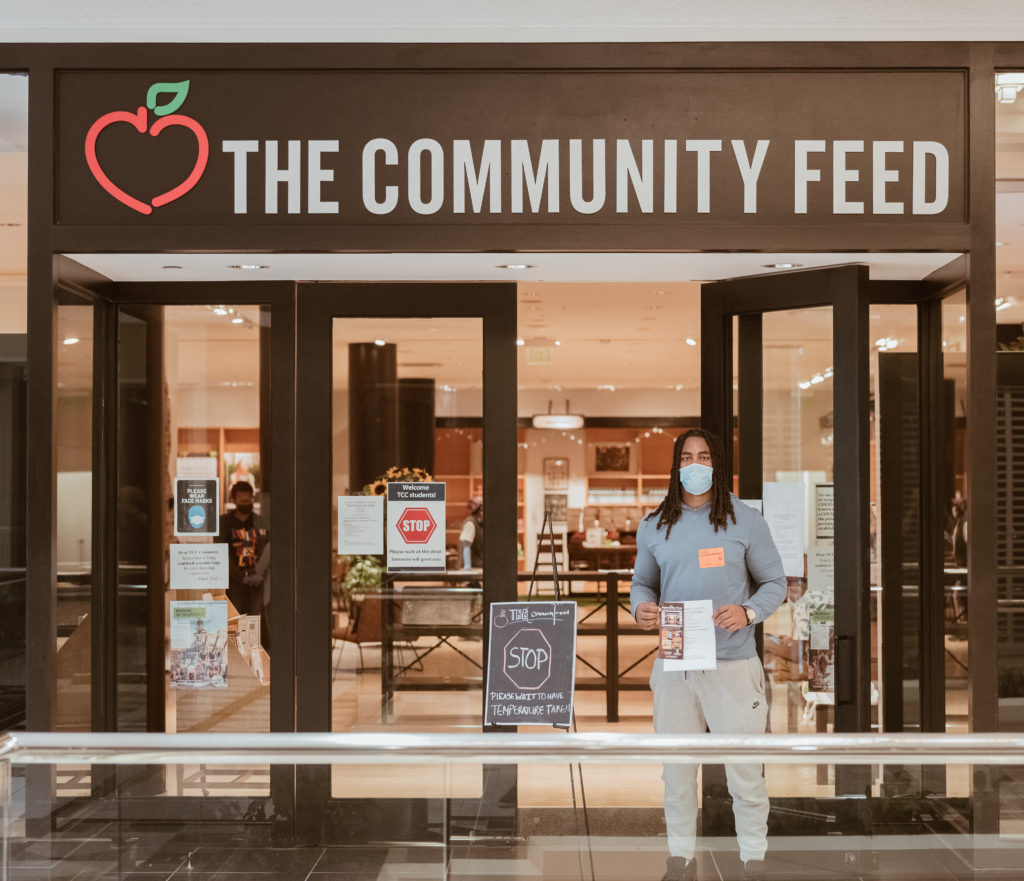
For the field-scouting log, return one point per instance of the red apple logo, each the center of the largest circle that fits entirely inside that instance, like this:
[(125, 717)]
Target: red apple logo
[(140, 121)]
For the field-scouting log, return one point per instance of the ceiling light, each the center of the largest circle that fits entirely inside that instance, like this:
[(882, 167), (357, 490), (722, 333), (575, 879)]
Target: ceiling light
[(171, 266), (805, 384), (817, 378), (379, 343), (1008, 86), (558, 342), (515, 266), (563, 421), (520, 342), (237, 320), (559, 421), (248, 266), (70, 340), (690, 341), (219, 310), (782, 265)]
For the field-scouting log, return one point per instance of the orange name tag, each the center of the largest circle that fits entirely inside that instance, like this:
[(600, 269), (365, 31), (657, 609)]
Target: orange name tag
[(711, 558)]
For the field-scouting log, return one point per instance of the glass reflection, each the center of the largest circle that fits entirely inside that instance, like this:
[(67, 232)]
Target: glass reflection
[(73, 431)]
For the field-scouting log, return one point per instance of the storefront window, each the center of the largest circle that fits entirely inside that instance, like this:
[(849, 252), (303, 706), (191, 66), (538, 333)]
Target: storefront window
[(409, 508), (73, 430), (895, 515), (1009, 307), (193, 530), (13, 390), (955, 499)]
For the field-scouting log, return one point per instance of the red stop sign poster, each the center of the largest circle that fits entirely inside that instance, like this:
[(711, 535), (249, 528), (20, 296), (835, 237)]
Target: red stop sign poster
[(416, 523)]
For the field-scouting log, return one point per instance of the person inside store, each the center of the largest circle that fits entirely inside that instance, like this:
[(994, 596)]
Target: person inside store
[(471, 538), (786, 632), (703, 543), (956, 529), (248, 541)]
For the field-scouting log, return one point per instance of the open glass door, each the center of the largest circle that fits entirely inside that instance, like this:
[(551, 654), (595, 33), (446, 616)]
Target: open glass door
[(832, 388), (785, 375)]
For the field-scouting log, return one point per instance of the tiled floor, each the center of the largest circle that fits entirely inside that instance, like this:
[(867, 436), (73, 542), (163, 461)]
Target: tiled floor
[(140, 853)]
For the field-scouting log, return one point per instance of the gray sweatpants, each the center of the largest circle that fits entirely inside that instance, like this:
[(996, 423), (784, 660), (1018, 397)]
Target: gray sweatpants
[(728, 700)]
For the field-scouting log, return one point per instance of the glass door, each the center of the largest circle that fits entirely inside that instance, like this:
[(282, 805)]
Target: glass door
[(407, 425), (785, 376), (833, 389)]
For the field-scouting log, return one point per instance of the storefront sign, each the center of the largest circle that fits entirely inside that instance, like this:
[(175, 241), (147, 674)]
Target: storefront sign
[(531, 664), (427, 147), (196, 506), (199, 567), (416, 524)]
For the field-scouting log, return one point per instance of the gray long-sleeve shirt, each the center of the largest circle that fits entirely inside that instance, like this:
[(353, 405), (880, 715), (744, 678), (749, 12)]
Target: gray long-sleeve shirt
[(671, 570)]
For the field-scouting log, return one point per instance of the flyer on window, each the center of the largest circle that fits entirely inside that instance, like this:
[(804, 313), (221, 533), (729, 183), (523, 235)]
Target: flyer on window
[(199, 644)]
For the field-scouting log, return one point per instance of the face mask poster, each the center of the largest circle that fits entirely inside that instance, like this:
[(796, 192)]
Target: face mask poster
[(195, 506)]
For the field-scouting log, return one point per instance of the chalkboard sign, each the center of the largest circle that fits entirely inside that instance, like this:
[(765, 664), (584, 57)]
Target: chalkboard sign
[(531, 664)]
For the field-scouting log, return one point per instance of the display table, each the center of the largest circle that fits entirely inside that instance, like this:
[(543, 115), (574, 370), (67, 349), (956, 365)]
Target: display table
[(595, 557)]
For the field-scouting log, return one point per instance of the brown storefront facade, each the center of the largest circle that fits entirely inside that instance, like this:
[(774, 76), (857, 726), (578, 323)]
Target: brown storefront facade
[(462, 149)]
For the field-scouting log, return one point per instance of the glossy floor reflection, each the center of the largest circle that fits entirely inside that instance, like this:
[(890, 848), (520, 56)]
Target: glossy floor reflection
[(142, 852)]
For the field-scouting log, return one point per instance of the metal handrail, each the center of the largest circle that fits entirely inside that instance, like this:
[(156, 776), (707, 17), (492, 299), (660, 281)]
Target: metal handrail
[(508, 748)]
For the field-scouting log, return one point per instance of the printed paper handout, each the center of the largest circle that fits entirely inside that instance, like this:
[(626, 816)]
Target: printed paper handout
[(686, 640), (199, 643)]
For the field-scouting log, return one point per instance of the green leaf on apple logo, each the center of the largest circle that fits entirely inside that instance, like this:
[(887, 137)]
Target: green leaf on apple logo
[(177, 91)]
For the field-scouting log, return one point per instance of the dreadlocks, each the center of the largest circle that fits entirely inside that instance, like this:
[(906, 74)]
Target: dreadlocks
[(671, 508)]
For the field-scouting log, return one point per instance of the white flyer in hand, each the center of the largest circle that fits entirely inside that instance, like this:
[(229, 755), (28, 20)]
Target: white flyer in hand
[(697, 636)]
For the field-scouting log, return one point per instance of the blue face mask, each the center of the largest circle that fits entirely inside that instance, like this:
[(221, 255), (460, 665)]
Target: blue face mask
[(696, 478)]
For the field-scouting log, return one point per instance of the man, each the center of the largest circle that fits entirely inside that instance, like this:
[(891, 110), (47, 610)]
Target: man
[(702, 543), (248, 539), (471, 538)]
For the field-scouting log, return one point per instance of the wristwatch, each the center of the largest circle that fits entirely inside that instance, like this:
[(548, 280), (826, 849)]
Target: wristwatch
[(751, 615)]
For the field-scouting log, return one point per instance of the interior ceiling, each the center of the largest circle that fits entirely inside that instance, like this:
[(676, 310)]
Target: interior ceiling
[(500, 21)]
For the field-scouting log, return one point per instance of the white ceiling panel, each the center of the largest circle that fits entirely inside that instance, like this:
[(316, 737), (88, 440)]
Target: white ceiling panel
[(499, 21)]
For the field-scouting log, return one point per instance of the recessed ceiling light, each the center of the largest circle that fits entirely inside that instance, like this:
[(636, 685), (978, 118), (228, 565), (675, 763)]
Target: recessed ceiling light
[(782, 265), (558, 342), (219, 310), (70, 340), (237, 320), (515, 266), (520, 342), (379, 343), (248, 266), (690, 341)]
